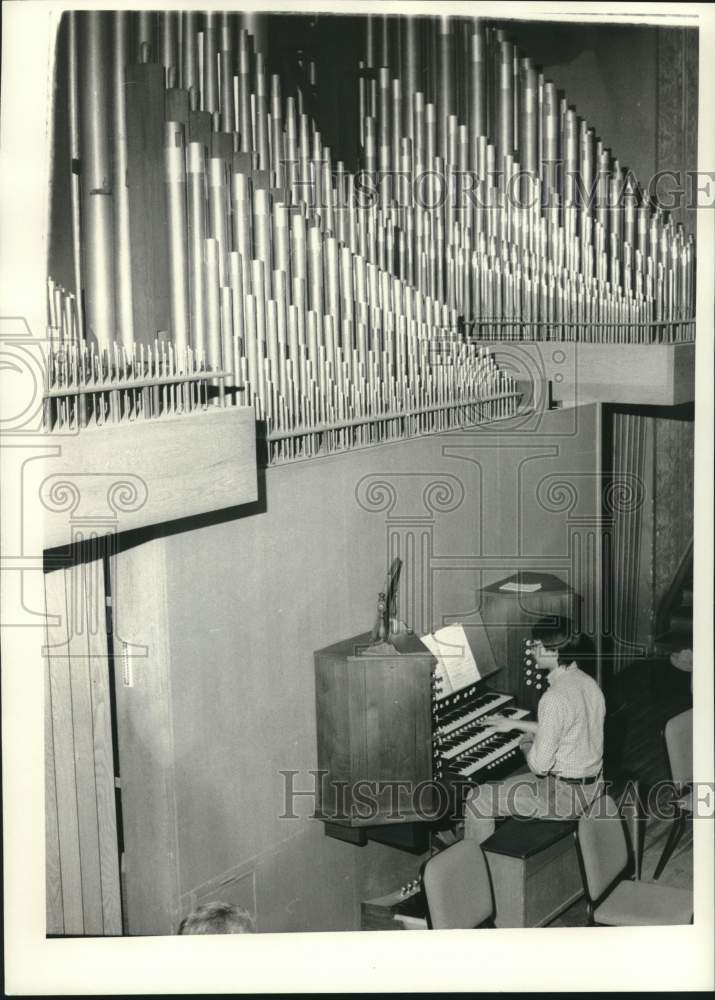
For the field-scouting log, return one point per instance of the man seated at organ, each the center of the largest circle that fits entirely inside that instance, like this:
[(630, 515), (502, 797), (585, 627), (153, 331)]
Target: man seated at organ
[(563, 748)]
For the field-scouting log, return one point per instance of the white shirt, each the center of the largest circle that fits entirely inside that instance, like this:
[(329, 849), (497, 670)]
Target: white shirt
[(569, 736)]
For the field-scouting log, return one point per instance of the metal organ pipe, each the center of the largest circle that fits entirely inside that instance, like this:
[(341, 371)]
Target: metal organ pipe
[(122, 234), (169, 46), (190, 57), (477, 95), (73, 114), (175, 173), (97, 200), (196, 200), (210, 65), (505, 107), (146, 36)]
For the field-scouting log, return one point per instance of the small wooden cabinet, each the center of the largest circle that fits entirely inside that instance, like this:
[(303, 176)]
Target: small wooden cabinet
[(509, 616), (534, 871), (374, 712)]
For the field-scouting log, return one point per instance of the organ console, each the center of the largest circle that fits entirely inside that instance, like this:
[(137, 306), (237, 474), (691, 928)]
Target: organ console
[(396, 743), (392, 749)]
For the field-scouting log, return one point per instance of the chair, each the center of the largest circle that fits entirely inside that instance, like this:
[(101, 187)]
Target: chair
[(678, 734), (613, 900), (457, 887), (623, 783)]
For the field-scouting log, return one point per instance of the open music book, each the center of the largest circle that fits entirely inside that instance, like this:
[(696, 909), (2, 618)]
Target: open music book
[(456, 666)]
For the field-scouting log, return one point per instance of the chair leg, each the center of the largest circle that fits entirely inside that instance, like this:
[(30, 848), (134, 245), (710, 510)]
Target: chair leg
[(637, 825), (631, 809), (676, 832)]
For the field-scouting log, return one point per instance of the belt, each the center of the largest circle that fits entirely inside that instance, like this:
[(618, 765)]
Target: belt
[(579, 781)]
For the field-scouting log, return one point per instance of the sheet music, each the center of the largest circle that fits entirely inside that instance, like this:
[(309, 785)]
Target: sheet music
[(456, 666), (515, 587)]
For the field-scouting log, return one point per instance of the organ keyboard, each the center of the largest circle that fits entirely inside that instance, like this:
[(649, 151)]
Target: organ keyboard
[(465, 746)]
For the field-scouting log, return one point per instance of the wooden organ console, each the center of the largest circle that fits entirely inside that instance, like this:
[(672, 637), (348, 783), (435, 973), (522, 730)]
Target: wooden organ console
[(394, 747)]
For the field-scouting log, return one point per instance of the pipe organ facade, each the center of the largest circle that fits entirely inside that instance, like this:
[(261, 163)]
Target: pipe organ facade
[(328, 291), (348, 302)]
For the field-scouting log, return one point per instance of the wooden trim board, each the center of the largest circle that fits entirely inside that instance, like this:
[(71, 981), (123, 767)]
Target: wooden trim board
[(132, 475)]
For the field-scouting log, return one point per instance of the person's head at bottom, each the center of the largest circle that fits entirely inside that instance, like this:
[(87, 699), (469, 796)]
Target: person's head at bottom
[(217, 918)]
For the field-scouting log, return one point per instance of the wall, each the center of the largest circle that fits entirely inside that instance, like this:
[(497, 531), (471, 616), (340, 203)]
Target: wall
[(674, 495), (654, 444), (677, 103), (251, 598)]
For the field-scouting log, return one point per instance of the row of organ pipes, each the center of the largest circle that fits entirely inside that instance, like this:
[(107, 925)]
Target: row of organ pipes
[(347, 302)]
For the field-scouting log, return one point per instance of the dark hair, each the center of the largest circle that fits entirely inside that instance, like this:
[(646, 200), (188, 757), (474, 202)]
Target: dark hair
[(217, 918), (557, 633)]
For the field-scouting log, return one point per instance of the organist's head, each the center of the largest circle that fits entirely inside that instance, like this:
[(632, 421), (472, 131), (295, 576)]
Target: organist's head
[(556, 644), (217, 918)]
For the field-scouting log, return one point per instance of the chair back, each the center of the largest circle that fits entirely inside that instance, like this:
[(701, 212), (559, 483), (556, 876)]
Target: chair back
[(457, 886), (602, 845), (679, 744)]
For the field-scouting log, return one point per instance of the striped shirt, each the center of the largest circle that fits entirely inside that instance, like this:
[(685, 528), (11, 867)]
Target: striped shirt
[(569, 737)]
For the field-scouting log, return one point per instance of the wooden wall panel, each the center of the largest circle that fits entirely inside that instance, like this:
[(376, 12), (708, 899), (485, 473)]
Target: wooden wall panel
[(629, 472), (649, 541), (82, 877), (102, 750), (674, 497), (64, 759), (142, 644), (75, 580), (55, 921)]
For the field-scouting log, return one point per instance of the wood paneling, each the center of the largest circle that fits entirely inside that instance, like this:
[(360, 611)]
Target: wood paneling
[(142, 645), (631, 490), (82, 877), (81, 707), (63, 746), (674, 496), (55, 920), (648, 374), (102, 750), (651, 454)]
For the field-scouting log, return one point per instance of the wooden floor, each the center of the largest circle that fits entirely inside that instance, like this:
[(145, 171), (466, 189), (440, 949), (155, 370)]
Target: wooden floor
[(645, 695)]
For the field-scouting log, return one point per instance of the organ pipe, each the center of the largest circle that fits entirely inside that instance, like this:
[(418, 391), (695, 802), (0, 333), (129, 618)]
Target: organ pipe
[(96, 166), (122, 234), (316, 289), (73, 116)]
